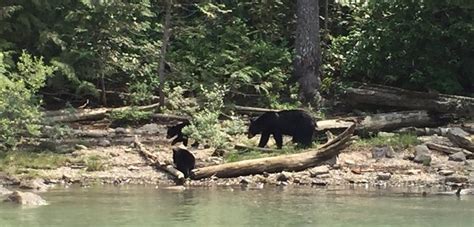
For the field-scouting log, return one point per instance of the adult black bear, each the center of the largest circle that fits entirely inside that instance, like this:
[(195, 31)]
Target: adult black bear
[(176, 130), (183, 160), (296, 123)]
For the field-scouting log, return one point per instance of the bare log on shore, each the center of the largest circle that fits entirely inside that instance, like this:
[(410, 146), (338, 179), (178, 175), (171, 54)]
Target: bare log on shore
[(64, 116), (448, 150), (153, 159), (461, 139), (293, 162), (383, 121), (396, 97), (261, 149)]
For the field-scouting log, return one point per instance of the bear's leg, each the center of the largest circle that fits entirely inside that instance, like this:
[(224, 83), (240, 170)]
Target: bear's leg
[(176, 140), (185, 140), (264, 139), (278, 139)]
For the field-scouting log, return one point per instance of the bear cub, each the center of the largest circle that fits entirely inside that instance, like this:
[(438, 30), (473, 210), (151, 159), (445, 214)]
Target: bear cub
[(296, 123), (183, 160), (176, 130)]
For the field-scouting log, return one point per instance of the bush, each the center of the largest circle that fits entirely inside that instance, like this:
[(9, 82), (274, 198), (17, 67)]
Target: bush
[(19, 114), (411, 44)]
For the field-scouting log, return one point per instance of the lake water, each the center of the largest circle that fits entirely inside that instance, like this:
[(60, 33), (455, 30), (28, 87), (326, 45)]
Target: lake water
[(272, 206)]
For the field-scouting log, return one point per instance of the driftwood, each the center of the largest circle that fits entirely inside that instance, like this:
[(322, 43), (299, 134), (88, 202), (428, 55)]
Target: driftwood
[(396, 97), (293, 162), (383, 121), (73, 115), (153, 159), (461, 139), (62, 116), (248, 109), (448, 150), (441, 131)]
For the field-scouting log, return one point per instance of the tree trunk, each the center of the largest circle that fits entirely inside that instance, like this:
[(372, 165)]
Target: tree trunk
[(164, 44), (383, 121), (293, 162), (102, 84), (308, 50), (395, 97)]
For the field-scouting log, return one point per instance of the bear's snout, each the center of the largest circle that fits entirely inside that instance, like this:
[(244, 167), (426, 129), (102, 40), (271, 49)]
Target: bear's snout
[(250, 135)]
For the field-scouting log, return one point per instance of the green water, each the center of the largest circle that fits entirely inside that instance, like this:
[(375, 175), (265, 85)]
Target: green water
[(150, 206)]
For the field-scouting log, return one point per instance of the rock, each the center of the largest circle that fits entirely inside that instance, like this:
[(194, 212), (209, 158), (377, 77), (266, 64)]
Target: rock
[(384, 176), (4, 191), (282, 183), (219, 152), (284, 176), (319, 182), (409, 157), (386, 134), (413, 171), (36, 184), (26, 198), (383, 152), (324, 176), (245, 181), (319, 170), (457, 157), (446, 172), (349, 162), (80, 147), (422, 155), (150, 128), (456, 179), (260, 179), (104, 143), (133, 168), (356, 170), (176, 188), (114, 154), (120, 130)]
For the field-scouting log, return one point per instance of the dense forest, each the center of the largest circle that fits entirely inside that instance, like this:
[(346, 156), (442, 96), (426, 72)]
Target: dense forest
[(203, 56)]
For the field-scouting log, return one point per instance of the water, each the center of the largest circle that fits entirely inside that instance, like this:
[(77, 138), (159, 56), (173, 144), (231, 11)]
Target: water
[(148, 206)]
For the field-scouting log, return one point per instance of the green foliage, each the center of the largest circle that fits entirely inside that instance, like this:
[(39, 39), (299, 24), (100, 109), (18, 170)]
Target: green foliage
[(15, 160), (19, 115), (205, 127), (131, 116), (399, 141), (95, 163), (411, 44)]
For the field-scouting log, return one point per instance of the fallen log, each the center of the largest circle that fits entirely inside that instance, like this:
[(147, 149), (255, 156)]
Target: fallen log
[(441, 131), (395, 97), (383, 121), (448, 150), (153, 159), (293, 162), (63, 116), (248, 109), (461, 139)]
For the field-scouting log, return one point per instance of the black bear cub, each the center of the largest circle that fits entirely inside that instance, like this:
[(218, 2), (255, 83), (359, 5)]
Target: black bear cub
[(183, 160), (176, 130), (296, 123)]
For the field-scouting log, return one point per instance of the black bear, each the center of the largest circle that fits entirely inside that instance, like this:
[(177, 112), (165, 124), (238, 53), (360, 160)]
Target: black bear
[(176, 130), (183, 160), (296, 123)]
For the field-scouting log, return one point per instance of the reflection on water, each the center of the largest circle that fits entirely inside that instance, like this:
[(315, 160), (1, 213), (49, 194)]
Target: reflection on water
[(148, 206)]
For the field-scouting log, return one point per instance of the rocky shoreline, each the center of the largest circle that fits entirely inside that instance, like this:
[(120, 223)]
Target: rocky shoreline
[(369, 166)]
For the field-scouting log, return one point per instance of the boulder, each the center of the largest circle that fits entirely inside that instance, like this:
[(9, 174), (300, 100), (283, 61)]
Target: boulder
[(150, 129), (26, 198), (383, 152), (35, 184), (284, 176), (457, 157), (104, 143), (319, 182), (4, 191), (446, 172), (422, 155), (319, 170), (384, 176)]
